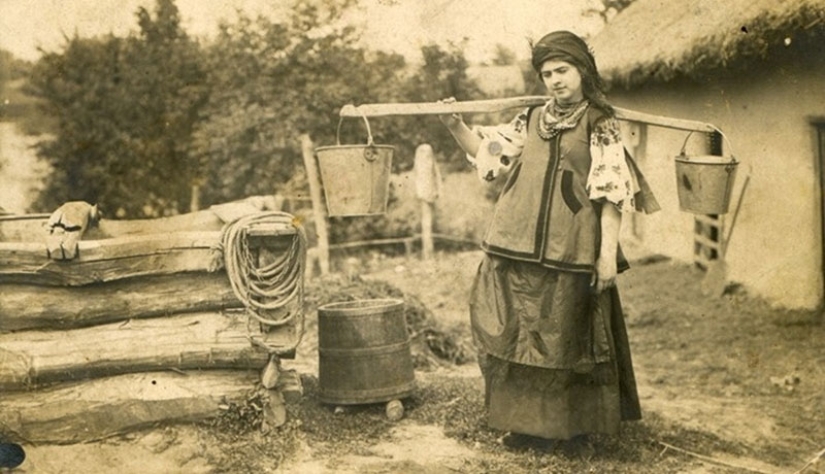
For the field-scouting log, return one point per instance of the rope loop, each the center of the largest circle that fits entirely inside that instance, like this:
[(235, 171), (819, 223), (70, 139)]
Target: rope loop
[(263, 289)]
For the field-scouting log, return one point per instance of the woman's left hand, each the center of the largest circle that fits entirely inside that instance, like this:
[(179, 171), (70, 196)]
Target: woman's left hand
[(605, 275)]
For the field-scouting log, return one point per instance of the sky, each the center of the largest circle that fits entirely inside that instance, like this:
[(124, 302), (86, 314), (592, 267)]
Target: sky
[(401, 26)]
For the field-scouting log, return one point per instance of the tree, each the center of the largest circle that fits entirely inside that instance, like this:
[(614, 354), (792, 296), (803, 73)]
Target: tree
[(11, 68), (125, 109), (14, 105), (272, 81), (143, 118), (504, 56), (442, 74)]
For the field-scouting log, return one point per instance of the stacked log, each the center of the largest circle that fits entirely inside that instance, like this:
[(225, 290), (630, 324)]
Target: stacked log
[(140, 326)]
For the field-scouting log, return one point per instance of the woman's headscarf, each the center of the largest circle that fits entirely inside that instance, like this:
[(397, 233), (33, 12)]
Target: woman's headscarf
[(568, 47)]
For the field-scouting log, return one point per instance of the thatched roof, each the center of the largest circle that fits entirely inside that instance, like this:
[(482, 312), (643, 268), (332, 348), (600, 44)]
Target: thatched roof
[(657, 40)]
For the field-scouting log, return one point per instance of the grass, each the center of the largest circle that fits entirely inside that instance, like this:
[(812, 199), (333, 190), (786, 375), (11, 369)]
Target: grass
[(454, 404), (714, 352)]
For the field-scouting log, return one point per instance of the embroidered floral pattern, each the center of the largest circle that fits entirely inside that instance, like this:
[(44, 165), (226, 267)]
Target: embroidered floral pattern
[(610, 177)]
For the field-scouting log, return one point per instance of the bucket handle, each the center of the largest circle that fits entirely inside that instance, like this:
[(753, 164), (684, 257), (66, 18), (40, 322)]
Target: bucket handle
[(724, 137), (370, 153)]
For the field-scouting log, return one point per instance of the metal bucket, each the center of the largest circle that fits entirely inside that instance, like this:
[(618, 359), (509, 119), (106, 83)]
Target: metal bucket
[(364, 352), (704, 183), (356, 178)]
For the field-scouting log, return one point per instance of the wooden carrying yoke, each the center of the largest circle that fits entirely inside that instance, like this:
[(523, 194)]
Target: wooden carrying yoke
[(497, 105)]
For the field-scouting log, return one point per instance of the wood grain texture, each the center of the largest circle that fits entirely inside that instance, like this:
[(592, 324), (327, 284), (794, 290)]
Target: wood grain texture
[(24, 307), (209, 340), (497, 105), (110, 259), (97, 409)]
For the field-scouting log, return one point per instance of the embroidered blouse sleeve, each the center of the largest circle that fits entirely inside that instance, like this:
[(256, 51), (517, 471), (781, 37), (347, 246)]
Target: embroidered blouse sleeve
[(510, 135), (610, 176)]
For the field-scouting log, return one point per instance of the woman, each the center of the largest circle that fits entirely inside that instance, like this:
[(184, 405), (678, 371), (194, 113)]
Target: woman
[(545, 311)]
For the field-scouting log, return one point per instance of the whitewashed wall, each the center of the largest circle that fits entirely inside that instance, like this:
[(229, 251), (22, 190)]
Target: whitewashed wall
[(776, 248)]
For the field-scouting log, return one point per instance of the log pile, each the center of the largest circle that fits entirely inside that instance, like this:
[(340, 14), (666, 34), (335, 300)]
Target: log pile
[(131, 324)]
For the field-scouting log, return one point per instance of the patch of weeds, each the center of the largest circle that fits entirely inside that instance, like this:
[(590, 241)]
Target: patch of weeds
[(698, 441), (235, 442), (338, 429), (447, 345), (239, 418), (457, 405)]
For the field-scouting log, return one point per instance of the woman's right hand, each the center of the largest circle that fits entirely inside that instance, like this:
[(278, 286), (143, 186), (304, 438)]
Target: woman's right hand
[(450, 120)]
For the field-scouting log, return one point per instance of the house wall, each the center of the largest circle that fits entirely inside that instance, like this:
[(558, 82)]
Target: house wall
[(776, 248)]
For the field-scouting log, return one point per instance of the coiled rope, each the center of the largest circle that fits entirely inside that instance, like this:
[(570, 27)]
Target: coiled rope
[(264, 289)]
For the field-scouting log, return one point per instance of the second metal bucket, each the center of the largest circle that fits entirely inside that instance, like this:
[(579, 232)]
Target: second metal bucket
[(355, 177), (705, 183), (364, 352)]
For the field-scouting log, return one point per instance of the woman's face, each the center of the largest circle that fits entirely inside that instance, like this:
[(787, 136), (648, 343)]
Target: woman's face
[(563, 81)]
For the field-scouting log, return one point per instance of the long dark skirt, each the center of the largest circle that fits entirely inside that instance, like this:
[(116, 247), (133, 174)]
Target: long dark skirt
[(554, 354)]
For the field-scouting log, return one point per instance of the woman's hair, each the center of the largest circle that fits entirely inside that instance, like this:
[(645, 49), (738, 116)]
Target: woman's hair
[(568, 47)]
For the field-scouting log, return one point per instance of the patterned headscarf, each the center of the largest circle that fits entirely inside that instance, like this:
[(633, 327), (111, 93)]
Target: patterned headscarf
[(568, 47)]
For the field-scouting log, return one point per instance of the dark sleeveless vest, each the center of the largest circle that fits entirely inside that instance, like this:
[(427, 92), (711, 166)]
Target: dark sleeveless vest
[(544, 214)]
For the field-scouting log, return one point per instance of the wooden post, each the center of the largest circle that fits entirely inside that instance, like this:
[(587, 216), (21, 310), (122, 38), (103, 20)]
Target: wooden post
[(195, 202), (639, 146), (427, 181), (308, 152), (427, 245)]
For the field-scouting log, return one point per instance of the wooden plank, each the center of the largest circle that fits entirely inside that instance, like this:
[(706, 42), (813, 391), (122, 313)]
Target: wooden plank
[(30, 227), (112, 248), (121, 257), (701, 239), (319, 212), (702, 261), (706, 219), (497, 105), (115, 258), (19, 228), (665, 122), (270, 230), (435, 108), (27, 268), (451, 238), (24, 307), (97, 409), (208, 340), (369, 243)]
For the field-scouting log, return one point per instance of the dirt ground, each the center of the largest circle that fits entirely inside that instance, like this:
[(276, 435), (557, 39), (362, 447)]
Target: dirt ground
[(728, 384)]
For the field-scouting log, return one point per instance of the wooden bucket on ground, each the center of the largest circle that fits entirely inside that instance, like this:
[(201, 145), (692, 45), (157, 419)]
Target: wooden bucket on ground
[(364, 352)]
